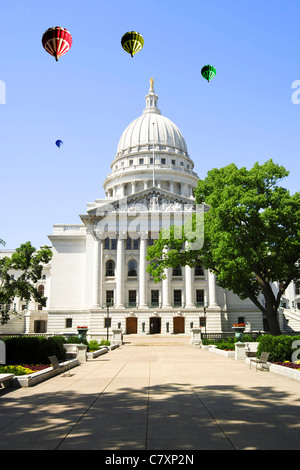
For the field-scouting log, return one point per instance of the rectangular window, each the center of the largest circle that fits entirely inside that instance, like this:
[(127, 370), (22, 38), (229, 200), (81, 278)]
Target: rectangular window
[(173, 162), (113, 243), (132, 298), (130, 162), (136, 244), (199, 271), (106, 244), (177, 298), (154, 298), (202, 321), (177, 271), (69, 322), (199, 298), (109, 297), (151, 161), (297, 288), (107, 322), (141, 161), (128, 244), (163, 161)]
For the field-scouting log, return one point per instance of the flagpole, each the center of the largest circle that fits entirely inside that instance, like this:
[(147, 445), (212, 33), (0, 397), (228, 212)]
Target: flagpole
[(153, 158)]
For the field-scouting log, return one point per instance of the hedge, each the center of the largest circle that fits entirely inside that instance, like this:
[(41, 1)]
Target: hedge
[(279, 347), (34, 350)]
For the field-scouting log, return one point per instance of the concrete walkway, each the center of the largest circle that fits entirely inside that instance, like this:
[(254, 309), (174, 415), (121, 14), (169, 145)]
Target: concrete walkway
[(154, 393)]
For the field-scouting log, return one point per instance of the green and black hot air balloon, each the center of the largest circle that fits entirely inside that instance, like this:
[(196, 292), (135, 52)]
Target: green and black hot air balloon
[(208, 72), (132, 42)]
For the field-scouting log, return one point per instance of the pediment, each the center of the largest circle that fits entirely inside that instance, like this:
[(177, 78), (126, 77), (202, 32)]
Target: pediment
[(150, 199)]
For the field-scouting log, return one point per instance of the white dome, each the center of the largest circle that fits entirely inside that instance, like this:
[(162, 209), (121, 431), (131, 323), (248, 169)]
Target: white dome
[(151, 126)]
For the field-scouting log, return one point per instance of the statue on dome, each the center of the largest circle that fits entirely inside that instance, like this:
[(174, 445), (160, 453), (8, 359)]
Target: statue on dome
[(151, 83)]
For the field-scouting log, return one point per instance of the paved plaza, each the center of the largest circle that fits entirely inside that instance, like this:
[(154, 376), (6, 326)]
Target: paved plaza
[(154, 393)]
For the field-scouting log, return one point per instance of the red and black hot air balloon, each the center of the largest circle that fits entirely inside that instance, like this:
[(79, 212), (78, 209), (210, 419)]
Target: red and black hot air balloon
[(57, 41)]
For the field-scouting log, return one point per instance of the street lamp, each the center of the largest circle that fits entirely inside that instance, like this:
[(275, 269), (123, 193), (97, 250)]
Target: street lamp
[(107, 321)]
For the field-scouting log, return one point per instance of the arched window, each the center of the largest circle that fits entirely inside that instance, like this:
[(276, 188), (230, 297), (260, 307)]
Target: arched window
[(132, 268), (110, 268), (41, 289)]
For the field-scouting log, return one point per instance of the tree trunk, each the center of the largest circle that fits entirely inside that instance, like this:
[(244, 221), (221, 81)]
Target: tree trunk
[(272, 317)]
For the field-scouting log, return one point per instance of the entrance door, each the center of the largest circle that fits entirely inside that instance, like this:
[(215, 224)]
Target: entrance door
[(155, 325), (178, 325), (131, 325)]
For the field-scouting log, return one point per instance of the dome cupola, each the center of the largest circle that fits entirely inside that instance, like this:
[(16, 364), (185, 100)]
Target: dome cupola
[(151, 127), (151, 152)]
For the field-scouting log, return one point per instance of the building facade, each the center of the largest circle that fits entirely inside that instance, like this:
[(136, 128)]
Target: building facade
[(97, 277)]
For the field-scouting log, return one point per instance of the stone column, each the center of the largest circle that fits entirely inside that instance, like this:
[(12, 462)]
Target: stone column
[(101, 273), (142, 271), (212, 289), (96, 276), (166, 290), (189, 286), (120, 273)]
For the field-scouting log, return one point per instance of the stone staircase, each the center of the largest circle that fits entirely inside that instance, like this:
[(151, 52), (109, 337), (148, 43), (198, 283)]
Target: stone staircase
[(156, 340)]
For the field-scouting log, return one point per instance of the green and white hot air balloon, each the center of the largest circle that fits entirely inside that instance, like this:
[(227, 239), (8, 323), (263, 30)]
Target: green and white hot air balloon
[(208, 72), (132, 42)]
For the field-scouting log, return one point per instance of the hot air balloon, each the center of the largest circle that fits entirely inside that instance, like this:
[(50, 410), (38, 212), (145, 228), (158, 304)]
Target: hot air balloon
[(208, 72), (132, 42), (57, 41), (59, 143)]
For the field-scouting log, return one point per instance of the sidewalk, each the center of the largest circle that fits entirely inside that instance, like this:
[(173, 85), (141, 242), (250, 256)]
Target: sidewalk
[(155, 394)]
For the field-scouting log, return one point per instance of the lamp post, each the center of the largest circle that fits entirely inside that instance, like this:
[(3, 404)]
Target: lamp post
[(107, 321)]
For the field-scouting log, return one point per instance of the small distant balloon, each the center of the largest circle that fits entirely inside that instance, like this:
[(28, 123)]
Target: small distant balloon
[(132, 42), (59, 143), (57, 41), (208, 72)]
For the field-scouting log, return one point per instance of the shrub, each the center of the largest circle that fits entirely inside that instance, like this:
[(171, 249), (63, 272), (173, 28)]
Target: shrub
[(77, 340), (226, 345), (34, 350), (104, 342), (93, 345), (279, 347)]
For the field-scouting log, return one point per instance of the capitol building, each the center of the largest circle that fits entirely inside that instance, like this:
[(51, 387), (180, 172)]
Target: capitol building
[(97, 276)]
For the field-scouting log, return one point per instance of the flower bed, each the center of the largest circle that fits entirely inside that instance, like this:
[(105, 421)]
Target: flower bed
[(28, 380), (22, 369), (290, 365)]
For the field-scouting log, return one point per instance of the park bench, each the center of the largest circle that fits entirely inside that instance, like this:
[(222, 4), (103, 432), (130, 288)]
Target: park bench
[(6, 379), (65, 366), (262, 360)]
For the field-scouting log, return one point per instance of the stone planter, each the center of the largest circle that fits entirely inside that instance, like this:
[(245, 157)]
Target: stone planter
[(196, 336), (37, 377), (82, 331), (98, 352), (239, 332)]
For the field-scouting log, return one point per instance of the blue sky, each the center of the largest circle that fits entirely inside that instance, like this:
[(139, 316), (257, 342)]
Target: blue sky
[(88, 98)]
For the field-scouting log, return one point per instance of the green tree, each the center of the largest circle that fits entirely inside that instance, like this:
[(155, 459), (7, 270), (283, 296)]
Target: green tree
[(251, 235), (28, 265)]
